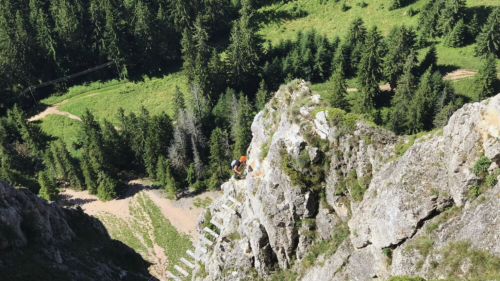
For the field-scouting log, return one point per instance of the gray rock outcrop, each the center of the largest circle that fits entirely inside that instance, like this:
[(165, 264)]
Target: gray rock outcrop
[(387, 202), (42, 241)]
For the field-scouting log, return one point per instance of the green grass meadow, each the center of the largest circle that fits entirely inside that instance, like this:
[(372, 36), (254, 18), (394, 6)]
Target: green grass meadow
[(326, 17), (104, 99)]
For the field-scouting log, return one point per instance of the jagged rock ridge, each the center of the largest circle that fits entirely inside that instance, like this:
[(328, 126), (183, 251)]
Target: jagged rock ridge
[(42, 241), (390, 204)]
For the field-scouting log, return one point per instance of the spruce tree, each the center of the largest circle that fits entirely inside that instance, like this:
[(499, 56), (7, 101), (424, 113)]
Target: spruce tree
[(339, 90), (48, 189), (401, 42), (243, 51), (107, 189), (457, 37), (262, 96), (219, 152), (89, 173), (159, 137), (342, 60), (485, 79), (172, 186), (178, 102), (356, 33), (429, 61), (420, 107), (369, 73), (322, 58), (488, 41), (403, 96), (243, 133)]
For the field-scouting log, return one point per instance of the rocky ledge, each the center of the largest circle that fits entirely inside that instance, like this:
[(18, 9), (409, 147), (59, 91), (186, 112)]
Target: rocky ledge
[(333, 197)]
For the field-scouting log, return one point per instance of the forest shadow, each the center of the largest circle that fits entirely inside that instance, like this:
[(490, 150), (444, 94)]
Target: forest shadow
[(443, 69), (274, 16), (69, 201), (482, 13)]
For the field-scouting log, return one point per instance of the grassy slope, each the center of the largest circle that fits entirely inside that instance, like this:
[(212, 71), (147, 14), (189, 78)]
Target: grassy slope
[(104, 99), (328, 19), (62, 127), (147, 228)]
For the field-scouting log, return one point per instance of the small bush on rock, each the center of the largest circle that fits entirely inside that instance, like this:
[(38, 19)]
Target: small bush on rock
[(481, 165)]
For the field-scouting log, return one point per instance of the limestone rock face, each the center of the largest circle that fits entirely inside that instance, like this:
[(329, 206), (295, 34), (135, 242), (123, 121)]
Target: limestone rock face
[(387, 201), (54, 243)]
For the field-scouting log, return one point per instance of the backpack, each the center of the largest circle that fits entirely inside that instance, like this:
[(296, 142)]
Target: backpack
[(233, 163)]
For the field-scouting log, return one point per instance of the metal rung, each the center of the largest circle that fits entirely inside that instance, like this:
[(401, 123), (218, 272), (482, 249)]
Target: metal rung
[(234, 201), (228, 208), (203, 250), (208, 242), (187, 263), (216, 224), (181, 270), (173, 276), (190, 254), (211, 232)]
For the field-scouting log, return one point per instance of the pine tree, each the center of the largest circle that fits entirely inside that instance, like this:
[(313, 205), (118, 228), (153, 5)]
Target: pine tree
[(342, 60), (188, 54), (219, 152), (262, 96), (450, 14), (172, 186), (369, 73), (403, 96), (339, 91), (178, 102), (243, 51), (243, 134), (177, 151), (89, 173), (322, 58), (181, 13), (48, 189), (30, 133), (140, 135), (161, 171), (115, 146), (474, 28), (419, 109), (222, 110), (488, 41), (356, 33), (401, 42), (429, 61), (457, 37), (485, 78), (159, 137), (107, 189)]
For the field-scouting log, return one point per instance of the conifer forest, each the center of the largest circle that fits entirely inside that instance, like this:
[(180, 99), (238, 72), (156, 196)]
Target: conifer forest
[(232, 70)]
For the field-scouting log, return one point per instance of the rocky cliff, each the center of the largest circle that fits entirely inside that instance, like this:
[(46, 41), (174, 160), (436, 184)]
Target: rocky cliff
[(333, 197), (42, 241)]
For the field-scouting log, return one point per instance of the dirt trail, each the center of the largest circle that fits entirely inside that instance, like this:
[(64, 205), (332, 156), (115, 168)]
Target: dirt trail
[(181, 213), (53, 110)]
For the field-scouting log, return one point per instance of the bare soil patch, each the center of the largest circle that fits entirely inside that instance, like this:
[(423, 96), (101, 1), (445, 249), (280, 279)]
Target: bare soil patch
[(53, 110)]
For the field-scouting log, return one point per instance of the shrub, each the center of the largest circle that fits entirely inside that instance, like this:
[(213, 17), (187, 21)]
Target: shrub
[(481, 165), (484, 266), (423, 244), (474, 192), (350, 119), (491, 180), (335, 114)]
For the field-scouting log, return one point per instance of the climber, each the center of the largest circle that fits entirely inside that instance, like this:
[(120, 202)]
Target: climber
[(238, 167)]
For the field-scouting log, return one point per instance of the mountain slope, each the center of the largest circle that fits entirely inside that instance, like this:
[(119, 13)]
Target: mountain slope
[(42, 241), (337, 199)]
